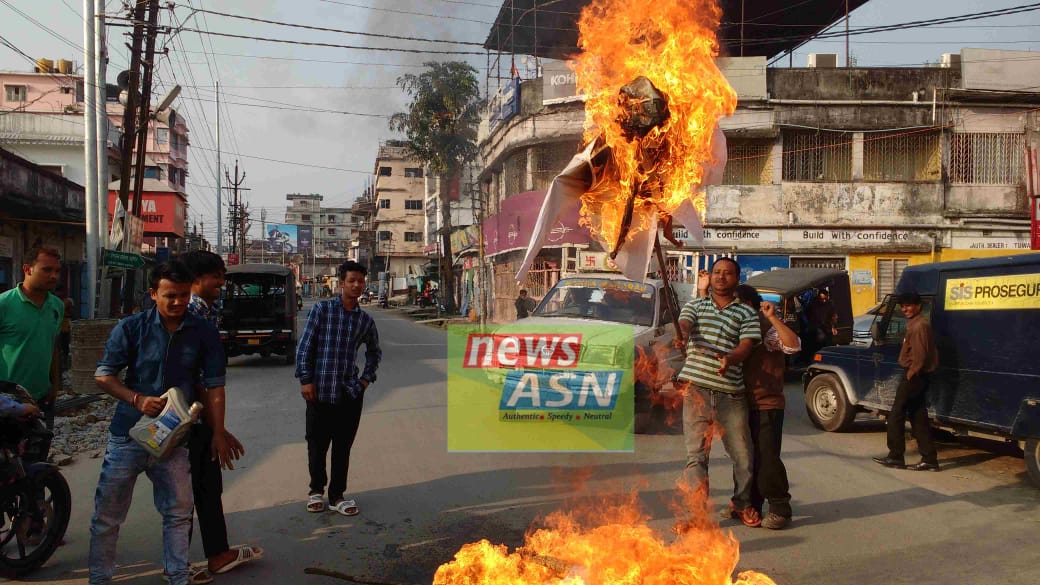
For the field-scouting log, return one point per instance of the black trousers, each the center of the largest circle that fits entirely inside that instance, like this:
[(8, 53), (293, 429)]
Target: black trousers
[(335, 424), (769, 476), (911, 402), (207, 484)]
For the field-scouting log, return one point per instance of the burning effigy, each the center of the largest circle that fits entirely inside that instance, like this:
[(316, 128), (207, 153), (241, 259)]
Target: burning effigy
[(652, 144), (654, 96)]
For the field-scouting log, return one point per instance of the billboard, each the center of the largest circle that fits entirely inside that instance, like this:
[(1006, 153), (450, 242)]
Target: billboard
[(305, 238), (161, 212), (282, 237)]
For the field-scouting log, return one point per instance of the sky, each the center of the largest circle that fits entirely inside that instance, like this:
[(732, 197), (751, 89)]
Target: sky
[(287, 80)]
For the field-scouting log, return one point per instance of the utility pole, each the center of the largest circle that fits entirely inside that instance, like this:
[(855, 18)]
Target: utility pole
[(101, 70), (238, 222), (144, 111), (127, 147), (263, 235), (90, 156), (220, 191)]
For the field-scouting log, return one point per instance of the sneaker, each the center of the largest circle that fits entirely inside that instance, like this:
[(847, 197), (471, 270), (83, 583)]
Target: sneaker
[(728, 513), (774, 521), (750, 517)]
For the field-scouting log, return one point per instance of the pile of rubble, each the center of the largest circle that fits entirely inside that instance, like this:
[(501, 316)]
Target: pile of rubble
[(83, 430)]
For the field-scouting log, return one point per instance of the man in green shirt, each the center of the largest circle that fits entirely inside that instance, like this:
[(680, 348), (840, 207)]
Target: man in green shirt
[(30, 321)]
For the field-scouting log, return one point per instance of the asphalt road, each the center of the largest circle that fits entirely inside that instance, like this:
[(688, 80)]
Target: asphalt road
[(855, 522)]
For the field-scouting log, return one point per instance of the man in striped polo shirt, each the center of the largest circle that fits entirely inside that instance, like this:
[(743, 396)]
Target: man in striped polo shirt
[(719, 333)]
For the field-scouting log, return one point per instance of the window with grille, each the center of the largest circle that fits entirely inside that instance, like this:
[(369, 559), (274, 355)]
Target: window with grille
[(384, 204), (413, 236), (16, 93), (514, 173), (550, 159), (833, 263), (413, 204), (902, 156), (413, 173), (384, 235), (385, 171), (888, 272), (162, 135), (817, 156), (750, 162), (986, 159)]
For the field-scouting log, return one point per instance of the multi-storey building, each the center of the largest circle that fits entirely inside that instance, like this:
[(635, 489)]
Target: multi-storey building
[(400, 216), (43, 122), (324, 233), (865, 169)]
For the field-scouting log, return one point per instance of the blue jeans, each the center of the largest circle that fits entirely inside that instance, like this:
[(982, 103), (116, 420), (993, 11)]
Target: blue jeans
[(702, 409), (171, 491)]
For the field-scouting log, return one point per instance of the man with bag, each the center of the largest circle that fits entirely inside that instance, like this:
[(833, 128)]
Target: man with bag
[(159, 348)]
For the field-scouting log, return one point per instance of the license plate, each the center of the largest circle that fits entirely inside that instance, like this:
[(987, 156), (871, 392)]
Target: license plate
[(253, 342)]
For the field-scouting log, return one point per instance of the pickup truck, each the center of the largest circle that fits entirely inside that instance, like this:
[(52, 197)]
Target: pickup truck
[(610, 298)]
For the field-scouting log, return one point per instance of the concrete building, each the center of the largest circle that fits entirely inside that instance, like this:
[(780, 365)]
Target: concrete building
[(400, 216), (42, 120), (38, 206), (324, 235), (868, 170)]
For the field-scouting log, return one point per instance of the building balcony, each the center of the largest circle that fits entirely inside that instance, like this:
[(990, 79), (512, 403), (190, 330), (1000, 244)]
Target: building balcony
[(57, 129)]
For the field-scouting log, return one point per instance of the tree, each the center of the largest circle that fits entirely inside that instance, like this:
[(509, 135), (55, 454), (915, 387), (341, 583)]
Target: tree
[(441, 130)]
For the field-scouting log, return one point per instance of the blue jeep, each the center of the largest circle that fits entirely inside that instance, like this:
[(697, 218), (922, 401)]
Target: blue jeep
[(986, 316)]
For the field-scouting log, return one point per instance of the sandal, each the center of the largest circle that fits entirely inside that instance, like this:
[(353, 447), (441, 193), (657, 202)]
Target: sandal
[(245, 554), (197, 576), (346, 507), (315, 503)]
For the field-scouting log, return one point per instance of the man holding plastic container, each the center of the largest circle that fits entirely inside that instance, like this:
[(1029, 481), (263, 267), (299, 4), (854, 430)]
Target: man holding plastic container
[(159, 348)]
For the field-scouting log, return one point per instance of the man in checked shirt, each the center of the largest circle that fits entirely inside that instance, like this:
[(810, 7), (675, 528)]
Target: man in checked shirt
[(328, 373)]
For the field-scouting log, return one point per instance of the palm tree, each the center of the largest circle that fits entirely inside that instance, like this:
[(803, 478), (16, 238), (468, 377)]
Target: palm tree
[(441, 130)]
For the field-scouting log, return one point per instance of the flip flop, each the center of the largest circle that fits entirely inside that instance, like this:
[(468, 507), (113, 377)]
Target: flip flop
[(315, 503), (346, 507), (246, 554)]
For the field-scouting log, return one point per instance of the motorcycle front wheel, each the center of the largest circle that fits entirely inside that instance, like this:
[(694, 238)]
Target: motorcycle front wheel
[(35, 515)]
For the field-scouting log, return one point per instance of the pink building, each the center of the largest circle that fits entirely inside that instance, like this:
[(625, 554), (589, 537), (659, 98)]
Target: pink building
[(42, 119)]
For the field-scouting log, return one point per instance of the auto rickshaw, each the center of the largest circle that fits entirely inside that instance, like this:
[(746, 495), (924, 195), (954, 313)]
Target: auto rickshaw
[(259, 314), (795, 290)]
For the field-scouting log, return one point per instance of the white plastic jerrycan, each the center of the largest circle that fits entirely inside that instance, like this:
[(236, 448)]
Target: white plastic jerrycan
[(159, 435)]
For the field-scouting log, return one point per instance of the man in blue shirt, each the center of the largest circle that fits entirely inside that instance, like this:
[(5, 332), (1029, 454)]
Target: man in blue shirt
[(159, 348), (329, 381)]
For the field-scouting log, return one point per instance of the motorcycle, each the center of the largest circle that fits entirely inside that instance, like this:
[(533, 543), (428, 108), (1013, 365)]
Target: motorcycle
[(35, 501), (365, 298)]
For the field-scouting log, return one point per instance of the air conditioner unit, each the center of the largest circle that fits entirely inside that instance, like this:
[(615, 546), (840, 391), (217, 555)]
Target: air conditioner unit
[(823, 60)]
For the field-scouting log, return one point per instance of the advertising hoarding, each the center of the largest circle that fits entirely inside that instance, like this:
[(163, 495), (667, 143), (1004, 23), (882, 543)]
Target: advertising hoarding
[(282, 237)]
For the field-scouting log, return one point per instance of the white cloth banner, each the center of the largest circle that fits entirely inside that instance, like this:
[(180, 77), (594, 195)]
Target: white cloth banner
[(633, 258)]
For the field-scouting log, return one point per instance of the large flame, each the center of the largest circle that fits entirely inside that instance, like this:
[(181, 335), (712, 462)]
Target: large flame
[(673, 44), (607, 543)]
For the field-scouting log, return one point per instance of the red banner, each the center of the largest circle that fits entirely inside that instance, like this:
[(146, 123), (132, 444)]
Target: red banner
[(511, 228), (162, 213), (1035, 231)]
